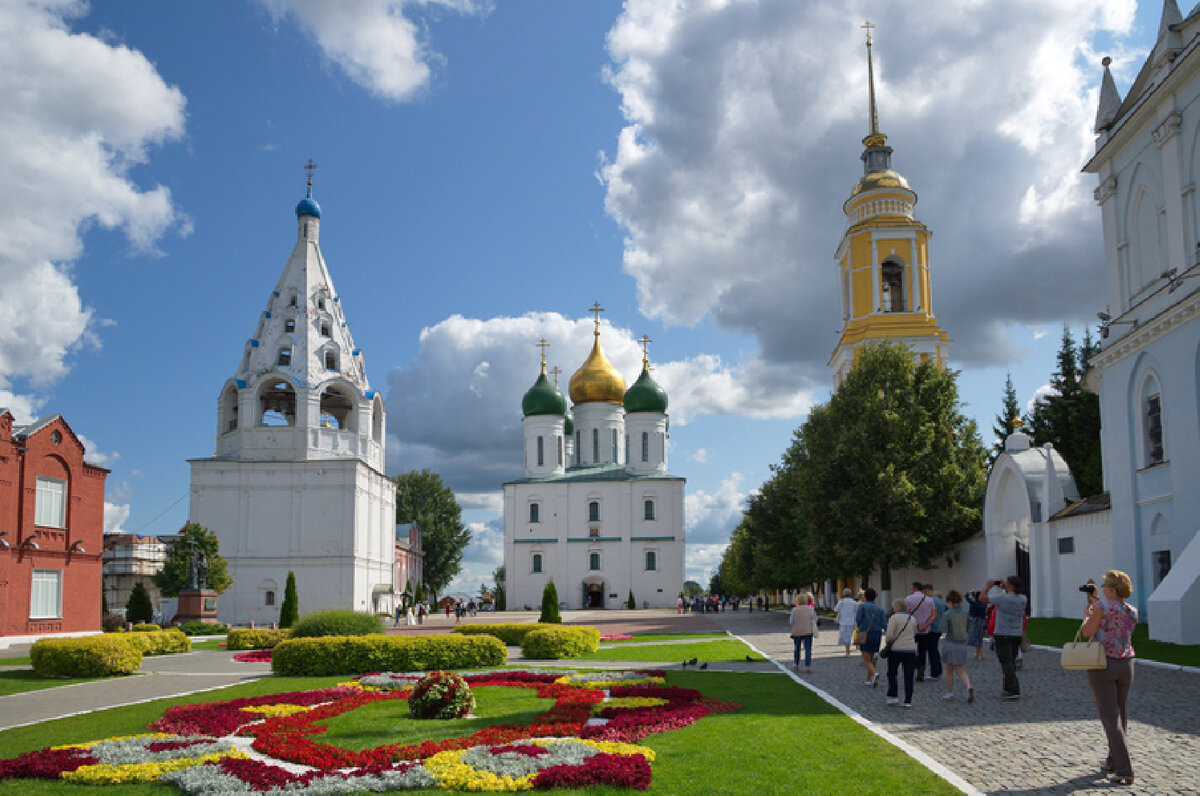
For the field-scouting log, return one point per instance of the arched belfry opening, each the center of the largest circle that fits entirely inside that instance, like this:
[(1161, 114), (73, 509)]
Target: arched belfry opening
[(892, 286), (338, 408), (277, 403), (228, 412)]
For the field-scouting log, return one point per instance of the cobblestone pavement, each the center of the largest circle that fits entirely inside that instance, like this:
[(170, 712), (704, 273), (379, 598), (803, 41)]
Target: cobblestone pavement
[(1049, 741)]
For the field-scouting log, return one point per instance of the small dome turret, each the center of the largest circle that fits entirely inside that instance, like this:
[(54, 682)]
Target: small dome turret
[(308, 206), (543, 398), (645, 395)]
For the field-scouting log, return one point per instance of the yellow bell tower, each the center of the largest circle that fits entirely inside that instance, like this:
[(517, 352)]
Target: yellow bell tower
[(883, 259)]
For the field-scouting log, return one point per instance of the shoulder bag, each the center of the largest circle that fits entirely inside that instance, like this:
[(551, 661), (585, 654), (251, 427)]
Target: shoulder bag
[(887, 648), (1079, 654)]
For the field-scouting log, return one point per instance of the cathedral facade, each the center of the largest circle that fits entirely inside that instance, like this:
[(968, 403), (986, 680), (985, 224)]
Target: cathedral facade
[(296, 482), (596, 512)]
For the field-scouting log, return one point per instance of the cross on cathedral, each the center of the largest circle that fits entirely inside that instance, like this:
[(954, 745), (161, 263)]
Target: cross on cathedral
[(596, 310), (645, 344), (309, 168), (554, 371), (867, 26), (542, 344)]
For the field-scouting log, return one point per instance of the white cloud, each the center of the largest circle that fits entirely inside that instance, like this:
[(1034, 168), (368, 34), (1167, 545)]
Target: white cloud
[(712, 518), (376, 43), (702, 560), (700, 456), (1038, 394), (94, 455), (115, 515), (76, 115), (742, 140), (1039, 334), (457, 407), (484, 553)]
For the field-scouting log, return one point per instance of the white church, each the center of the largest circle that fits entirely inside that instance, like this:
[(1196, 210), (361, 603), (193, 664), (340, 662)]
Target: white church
[(296, 482), (597, 511)]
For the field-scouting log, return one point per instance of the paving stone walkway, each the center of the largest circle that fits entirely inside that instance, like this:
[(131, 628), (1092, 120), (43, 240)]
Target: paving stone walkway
[(1049, 741)]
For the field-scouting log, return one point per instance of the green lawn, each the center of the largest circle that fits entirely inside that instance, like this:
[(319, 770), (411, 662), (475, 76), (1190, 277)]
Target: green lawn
[(666, 637), (18, 681), (1054, 632), (210, 644), (22, 660), (711, 651)]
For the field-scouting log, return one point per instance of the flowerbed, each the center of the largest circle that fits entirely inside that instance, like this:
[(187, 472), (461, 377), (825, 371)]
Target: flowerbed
[(587, 737), (617, 637), (257, 656)]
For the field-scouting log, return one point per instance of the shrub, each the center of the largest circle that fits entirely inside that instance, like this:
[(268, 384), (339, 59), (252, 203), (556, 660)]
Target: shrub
[(91, 656), (440, 695), (112, 623), (257, 639), (289, 612), (631, 603), (194, 627), (511, 633), (550, 614), (336, 622), (569, 641), (161, 642), (303, 657), (139, 608), (146, 627)]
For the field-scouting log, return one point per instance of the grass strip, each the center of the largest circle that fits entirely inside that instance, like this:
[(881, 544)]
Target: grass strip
[(644, 637), (711, 651), (19, 660), (1056, 631), (20, 681)]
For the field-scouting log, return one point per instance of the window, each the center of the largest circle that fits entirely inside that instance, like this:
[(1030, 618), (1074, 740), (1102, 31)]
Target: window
[(320, 302), (651, 561), (594, 511), (893, 286), (326, 329), (614, 458), (648, 510), (285, 357), (55, 437), (645, 446), (330, 361), (45, 598), (268, 597), (593, 561), (595, 445), (1066, 545), (536, 566), (1162, 565), (541, 453), (292, 300), (560, 450), (289, 326), (534, 512), (1154, 432), (51, 508), (577, 448)]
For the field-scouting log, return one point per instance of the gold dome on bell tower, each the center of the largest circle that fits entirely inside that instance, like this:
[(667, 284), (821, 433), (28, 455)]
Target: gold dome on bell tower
[(597, 379)]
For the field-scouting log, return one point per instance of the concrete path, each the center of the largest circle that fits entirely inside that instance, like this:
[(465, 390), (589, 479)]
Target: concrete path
[(1049, 741)]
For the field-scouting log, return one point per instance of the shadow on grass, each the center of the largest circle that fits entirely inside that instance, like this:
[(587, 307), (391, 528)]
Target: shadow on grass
[(20, 681)]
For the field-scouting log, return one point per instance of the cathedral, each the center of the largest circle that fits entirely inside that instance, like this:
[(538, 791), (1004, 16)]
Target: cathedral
[(296, 482), (883, 260), (596, 512)]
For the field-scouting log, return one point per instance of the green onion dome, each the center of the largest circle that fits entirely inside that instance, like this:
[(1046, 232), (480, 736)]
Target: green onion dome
[(645, 395), (543, 398)]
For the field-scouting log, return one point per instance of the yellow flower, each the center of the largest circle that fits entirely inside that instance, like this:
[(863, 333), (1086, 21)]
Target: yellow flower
[(106, 774), (628, 702), (612, 747), (453, 774), (90, 744), (277, 710)]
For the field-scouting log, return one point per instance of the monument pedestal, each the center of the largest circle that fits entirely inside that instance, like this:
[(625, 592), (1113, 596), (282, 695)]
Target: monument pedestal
[(197, 605)]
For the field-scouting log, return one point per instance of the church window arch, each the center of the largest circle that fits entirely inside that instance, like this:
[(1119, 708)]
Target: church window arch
[(645, 446), (269, 597), (559, 439), (578, 449), (595, 446), (331, 359), (535, 512), (651, 561), (541, 451), (1145, 229), (1151, 411), (277, 403), (338, 407), (320, 301), (594, 561), (284, 357), (292, 299), (377, 419), (535, 563), (289, 326), (615, 448), (892, 285), (326, 327), (648, 509), (228, 409), (593, 511)]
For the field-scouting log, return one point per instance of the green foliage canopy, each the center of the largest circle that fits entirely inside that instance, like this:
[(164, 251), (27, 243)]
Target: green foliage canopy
[(174, 575), (139, 607), (421, 497), (550, 614), (289, 612)]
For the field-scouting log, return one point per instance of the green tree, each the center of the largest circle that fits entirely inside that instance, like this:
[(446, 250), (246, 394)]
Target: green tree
[(550, 612), (631, 603), (420, 595), (139, 610), (501, 598), (889, 473), (421, 497), (1069, 417), (692, 589), (289, 612), (1010, 411), (173, 578)]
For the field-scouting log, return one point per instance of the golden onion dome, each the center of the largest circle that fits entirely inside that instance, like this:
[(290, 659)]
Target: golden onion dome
[(880, 179), (597, 380)]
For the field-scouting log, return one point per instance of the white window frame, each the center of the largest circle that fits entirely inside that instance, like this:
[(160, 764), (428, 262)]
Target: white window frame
[(45, 594), (50, 510)]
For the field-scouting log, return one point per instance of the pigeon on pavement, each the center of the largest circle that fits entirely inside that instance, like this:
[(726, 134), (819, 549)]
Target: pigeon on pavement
[(704, 665), (692, 662)]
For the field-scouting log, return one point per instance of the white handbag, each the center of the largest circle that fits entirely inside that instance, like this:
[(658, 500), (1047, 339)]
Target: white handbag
[(1079, 654)]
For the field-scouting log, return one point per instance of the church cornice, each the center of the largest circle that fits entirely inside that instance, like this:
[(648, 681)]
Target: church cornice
[(1146, 333)]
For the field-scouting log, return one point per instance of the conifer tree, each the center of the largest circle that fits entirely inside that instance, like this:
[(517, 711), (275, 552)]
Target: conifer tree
[(1069, 417), (139, 609), (631, 603), (550, 612), (289, 612), (1009, 412)]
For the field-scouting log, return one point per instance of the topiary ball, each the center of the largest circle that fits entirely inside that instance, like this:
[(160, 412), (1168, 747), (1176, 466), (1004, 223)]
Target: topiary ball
[(441, 695)]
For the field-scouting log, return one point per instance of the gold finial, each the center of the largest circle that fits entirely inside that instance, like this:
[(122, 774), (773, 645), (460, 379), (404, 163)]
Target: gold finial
[(542, 344), (554, 371), (596, 310), (309, 168), (1016, 423), (867, 26), (645, 343)]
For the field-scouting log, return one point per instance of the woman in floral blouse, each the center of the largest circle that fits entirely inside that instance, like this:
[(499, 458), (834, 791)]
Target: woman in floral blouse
[(1111, 621)]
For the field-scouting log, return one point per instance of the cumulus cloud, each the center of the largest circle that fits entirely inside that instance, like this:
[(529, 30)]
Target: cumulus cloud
[(712, 517), (702, 560), (76, 115), (457, 407), (115, 515), (742, 137), (94, 455), (482, 556), (700, 456), (377, 43)]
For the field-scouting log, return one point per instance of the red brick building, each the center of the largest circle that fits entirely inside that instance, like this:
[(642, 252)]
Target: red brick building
[(408, 569), (51, 531)]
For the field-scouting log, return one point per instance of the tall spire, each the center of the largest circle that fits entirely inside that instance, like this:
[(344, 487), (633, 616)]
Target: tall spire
[(1110, 99), (877, 155)]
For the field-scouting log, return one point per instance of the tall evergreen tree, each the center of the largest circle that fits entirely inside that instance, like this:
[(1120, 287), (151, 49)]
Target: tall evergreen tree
[(550, 612), (421, 497), (139, 609), (289, 612), (498, 576), (1010, 411)]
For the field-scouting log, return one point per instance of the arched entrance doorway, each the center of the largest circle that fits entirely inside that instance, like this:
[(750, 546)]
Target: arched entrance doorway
[(593, 594)]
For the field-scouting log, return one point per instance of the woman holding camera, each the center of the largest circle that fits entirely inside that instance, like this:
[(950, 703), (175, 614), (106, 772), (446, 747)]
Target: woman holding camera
[(1010, 627), (1110, 620)]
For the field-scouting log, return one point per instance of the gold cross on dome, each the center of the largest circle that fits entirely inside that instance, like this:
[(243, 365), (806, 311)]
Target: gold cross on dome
[(645, 343), (542, 344), (867, 26), (596, 310), (554, 371), (310, 167)]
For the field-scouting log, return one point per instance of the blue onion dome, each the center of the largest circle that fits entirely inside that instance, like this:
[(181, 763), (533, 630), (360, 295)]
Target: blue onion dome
[(645, 395), (569, 424), (308, 206), (543, 398)]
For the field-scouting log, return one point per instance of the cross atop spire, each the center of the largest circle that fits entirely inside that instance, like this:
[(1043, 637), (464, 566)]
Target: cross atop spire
[(554, 371), (645, 342), (309, 168), (542, 344), (596, 309)]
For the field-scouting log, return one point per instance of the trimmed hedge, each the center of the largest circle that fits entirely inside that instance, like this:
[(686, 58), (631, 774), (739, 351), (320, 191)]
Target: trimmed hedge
[(560, 641), (257, 639), (327, 655), (146, 627), (161, 642), (511, 633), (337, 622), (194, 627), (90, 656)]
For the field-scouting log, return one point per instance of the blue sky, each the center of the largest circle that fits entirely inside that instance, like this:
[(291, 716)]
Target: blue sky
[(487, 170)]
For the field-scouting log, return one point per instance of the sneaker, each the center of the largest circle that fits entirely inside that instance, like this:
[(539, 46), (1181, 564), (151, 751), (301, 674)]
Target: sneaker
[(906, 704), (868, 683), (970, 694), (1007, 695), (875, 680), (893, 700), (948, 695)]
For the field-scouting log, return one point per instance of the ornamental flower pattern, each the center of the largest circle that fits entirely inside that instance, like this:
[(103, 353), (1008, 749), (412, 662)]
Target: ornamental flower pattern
[(194, 748)]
